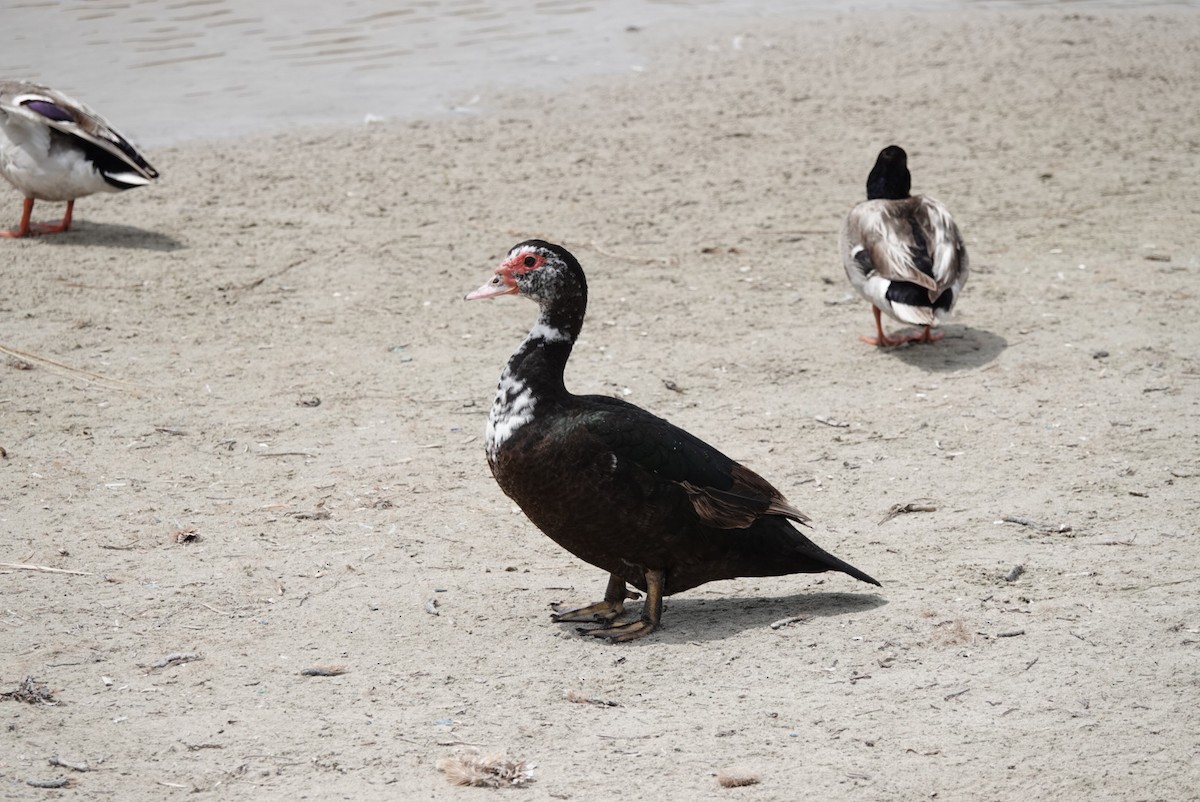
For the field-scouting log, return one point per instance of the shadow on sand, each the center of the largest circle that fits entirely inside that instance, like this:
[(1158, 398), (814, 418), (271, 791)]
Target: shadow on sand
[(108, 235), (961, 348), (710, 619)]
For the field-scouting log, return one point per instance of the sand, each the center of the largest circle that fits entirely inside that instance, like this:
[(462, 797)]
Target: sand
[(252, 419)]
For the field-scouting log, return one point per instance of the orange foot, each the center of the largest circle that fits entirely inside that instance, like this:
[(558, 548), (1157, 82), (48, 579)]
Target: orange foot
[(881, 340), (27, 229)]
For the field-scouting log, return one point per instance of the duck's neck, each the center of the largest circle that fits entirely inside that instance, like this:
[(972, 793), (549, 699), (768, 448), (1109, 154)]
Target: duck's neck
[(534, 374), (539, 362), (889, 185)]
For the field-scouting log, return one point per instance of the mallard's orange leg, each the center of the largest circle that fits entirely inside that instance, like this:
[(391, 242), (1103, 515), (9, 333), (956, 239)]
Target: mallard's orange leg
[(930, 336), (607, 610), (54, 228), (651, 614), (26, 228), (880, 339), (22, 229)]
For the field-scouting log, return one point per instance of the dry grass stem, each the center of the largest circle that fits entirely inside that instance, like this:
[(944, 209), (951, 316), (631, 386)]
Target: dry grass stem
[(43, 569)]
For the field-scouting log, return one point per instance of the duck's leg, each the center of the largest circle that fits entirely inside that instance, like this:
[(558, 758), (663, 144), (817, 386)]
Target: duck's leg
[(22, 229), (880, 339), (607, 610), (54, 228), (930, 336), (26, 228), (651, 613)]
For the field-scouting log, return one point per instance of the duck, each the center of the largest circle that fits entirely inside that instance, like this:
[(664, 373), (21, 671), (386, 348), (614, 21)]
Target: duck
[(626, 491), (903, 253), (54, 148)]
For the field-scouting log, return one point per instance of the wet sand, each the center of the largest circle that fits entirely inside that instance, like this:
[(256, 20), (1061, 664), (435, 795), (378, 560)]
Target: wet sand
[(251, 407)]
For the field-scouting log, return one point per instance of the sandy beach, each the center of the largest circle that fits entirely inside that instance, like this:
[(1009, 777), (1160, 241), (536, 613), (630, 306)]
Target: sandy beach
[(242, 414)]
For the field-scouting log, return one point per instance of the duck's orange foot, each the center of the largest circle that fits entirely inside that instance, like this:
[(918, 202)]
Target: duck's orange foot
[(41, 229), (930, 336), (883, 341), (27, 229)]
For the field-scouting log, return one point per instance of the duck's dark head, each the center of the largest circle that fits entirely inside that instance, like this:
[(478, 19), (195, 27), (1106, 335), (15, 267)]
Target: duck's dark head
[(539, 270), (889, 178)]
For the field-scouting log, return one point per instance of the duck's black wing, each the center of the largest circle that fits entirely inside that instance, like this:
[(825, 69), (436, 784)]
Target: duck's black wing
[(724, 493)]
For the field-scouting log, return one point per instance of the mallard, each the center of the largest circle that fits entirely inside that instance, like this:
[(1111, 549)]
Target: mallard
[(53, 148), (902, 252), (647, 502)]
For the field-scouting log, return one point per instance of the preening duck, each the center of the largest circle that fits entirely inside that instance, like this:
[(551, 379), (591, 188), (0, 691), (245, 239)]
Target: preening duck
[(902, 252), (53, 148), (624, 490)]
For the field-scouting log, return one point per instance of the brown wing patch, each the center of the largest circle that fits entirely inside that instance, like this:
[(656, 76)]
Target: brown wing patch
[(751, 498), (890, 242)]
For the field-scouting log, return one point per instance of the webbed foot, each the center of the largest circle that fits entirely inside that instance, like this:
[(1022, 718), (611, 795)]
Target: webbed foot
[(608, 610), (651, 613)]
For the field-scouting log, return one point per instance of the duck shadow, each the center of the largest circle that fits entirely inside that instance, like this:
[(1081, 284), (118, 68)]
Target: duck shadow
[(961, 348), (688, 620), (109, 235)]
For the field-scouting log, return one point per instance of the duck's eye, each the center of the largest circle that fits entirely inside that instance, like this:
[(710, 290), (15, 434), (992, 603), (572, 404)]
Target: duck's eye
[(530, 261)]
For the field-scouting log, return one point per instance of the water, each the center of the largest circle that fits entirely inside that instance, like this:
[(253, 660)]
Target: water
[(170, 71)]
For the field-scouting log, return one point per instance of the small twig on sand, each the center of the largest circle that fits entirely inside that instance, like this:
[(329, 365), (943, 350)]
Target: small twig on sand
[(923, 505), (43, 569), (1038, 525), (785, 622), (175, 659), (323, 671), (955, 695), (83, 374), (1032, 663), (579, 699), (58, 761), (58, 782), (1011, 633), (837, 424), (249, 285), (126, 547)]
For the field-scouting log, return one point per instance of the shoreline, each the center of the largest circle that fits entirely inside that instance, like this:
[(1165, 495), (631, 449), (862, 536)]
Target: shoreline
[(177, 74)]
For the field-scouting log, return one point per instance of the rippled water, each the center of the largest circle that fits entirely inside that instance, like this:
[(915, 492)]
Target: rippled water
[(167, 71)]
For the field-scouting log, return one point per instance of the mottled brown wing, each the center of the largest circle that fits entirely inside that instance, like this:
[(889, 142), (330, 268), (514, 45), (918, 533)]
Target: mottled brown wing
[(892, 232)]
